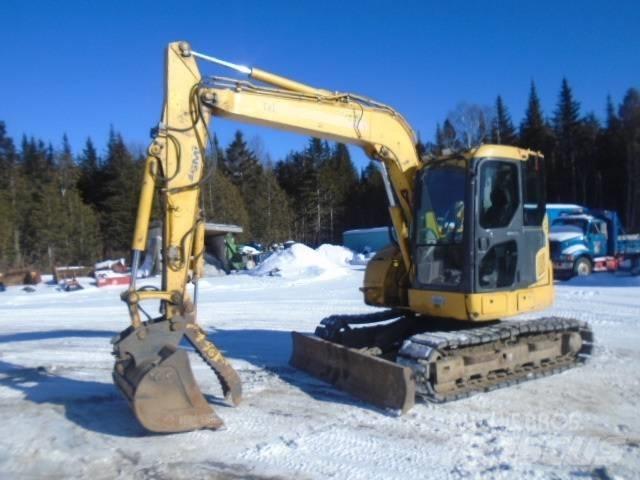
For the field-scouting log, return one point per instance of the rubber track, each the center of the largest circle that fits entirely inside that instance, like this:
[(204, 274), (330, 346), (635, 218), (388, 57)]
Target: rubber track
[(421, 349)]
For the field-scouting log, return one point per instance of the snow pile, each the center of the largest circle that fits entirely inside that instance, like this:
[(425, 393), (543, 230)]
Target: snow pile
[(327, 261), (335, 253), (249, 250), (109, 264), (298, 261), (344, 256), (362, 258)]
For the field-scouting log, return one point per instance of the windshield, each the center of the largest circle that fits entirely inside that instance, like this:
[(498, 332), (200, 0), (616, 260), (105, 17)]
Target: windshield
[(440, 215), (570, 224), (439, 252)]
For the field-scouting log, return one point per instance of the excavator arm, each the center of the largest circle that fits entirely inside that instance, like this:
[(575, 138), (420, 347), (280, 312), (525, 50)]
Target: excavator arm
[(151, 370)]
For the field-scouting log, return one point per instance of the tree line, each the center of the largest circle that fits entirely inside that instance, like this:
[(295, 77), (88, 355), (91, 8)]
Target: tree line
[(61, 208), (57, 208), (587, 161)]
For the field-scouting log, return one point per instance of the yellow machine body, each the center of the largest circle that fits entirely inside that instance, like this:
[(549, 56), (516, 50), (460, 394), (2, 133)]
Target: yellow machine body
[(151, 370)]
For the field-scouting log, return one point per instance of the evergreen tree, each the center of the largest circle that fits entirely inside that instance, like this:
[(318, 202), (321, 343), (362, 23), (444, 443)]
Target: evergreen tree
[(11, 187), (317, 154), (215, 154), (118, 196), (566, 124), (242, 167), (610, 163), (299, 176), (226, 204), (89, 179), (240, 164), (36, 216), (439, 139), (56, 227), (337, 178), (536, 134), (502, 131), (81, 242), (272, 214), (215, 162), (373, 204), (67, 172), (36, 161), (78, 239), (7, 156), (448, 136), (586, 150), (630, 129)]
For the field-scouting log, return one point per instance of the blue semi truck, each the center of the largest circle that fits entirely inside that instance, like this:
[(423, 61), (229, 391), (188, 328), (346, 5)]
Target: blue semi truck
[(584, 241)]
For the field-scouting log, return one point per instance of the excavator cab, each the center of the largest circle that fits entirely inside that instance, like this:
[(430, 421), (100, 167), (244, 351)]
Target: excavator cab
[(501, 247)]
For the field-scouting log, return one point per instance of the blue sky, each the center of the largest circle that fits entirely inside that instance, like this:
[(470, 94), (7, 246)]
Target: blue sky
[(77, 67)]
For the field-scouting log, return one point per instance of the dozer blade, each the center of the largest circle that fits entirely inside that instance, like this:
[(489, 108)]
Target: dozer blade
[(372, 379), (156, 378)]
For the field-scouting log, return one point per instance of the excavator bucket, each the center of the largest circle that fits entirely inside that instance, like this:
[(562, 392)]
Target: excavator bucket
[(373, 379), (156, 378)]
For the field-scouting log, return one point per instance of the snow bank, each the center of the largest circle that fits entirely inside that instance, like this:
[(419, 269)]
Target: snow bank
[(362, 258), (344, 256), (337, 254), (298, 261), (107, 264), (248, 250)]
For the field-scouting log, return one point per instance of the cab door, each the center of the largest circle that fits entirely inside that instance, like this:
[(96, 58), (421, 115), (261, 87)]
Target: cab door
[(597, 238), (506, 245)]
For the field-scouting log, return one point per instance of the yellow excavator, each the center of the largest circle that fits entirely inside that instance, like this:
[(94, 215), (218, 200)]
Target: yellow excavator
[(470, 249)]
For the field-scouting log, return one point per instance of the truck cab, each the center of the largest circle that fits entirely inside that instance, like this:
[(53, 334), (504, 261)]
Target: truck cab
[(578, 242), (591, 241)]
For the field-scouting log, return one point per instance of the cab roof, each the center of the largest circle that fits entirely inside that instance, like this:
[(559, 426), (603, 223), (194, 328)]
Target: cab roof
[(503, 151)]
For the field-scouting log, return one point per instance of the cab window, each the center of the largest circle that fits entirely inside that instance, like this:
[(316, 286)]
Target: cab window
[(533, 191), (499, 196), (439, 223)]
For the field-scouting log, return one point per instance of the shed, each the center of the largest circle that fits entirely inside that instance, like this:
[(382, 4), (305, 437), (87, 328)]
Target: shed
[(372, 239)]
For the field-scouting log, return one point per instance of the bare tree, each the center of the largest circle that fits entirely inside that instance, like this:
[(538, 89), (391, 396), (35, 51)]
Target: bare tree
[(472, 123)]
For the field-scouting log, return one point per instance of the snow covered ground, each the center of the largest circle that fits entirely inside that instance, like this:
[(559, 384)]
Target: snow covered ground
[(61, 416)]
